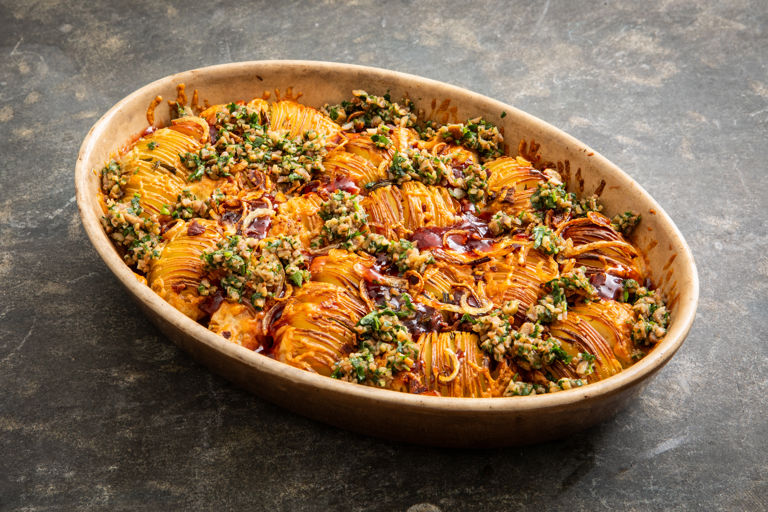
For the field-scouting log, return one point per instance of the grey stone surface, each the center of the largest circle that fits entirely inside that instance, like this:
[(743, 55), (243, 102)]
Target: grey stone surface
[(100, 411)]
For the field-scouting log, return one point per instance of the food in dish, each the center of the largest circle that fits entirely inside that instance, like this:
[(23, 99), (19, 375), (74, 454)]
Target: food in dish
[(366, 243)]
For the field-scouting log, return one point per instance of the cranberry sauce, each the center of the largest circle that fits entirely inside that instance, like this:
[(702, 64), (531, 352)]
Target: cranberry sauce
[(232, 216), (608, 286), (258, 227), (331, 185), (213, 133), (194, 229), (212, 303), (473, 236)]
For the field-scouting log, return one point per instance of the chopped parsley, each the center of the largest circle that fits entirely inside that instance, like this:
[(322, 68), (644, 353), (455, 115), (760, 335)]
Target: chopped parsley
[(136, 233), (113, 180), (365, 110), (252, 270), (477, 134), (385, 347), (345, 220), (545, 240), (625, 223)]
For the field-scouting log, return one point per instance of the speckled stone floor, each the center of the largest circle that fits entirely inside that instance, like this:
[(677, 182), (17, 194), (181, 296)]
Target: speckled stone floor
[(100, 411)]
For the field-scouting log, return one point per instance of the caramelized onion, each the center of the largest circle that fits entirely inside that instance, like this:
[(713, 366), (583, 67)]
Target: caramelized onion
[(575, 251), (269, 318), (363, 290), (466, 308), (455, 364)]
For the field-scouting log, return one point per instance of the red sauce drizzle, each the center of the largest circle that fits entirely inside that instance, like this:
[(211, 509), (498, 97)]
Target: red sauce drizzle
[(608, 286), (258, 228), (212, 303), (194, 229), (337, 183), (474, 237)]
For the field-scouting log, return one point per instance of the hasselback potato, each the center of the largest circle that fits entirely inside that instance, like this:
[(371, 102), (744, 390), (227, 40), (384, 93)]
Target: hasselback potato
[(363, 242)]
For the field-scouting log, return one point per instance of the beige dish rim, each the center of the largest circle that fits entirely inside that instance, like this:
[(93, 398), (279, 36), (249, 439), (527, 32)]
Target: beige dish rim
[(633, 375)]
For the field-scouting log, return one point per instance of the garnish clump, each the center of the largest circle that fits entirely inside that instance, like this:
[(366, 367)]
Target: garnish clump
[(369, 111), (385, 347), (136, 232)]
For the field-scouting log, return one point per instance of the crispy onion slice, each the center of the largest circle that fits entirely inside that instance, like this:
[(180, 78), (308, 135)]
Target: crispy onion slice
[(474, 311), (463, 307), (418, 286), (596, 246), (455, 364), (363, 291), (287, 293), (453, 232), (256, 213)]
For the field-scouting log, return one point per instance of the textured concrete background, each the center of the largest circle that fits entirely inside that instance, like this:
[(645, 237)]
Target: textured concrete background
[(99, 411)]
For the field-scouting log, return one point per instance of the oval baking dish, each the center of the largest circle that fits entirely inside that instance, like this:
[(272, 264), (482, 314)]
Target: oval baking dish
[(413, 418)]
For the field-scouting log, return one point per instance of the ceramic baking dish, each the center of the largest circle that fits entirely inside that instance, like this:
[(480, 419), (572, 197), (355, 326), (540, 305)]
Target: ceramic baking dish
[(413, 418)]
